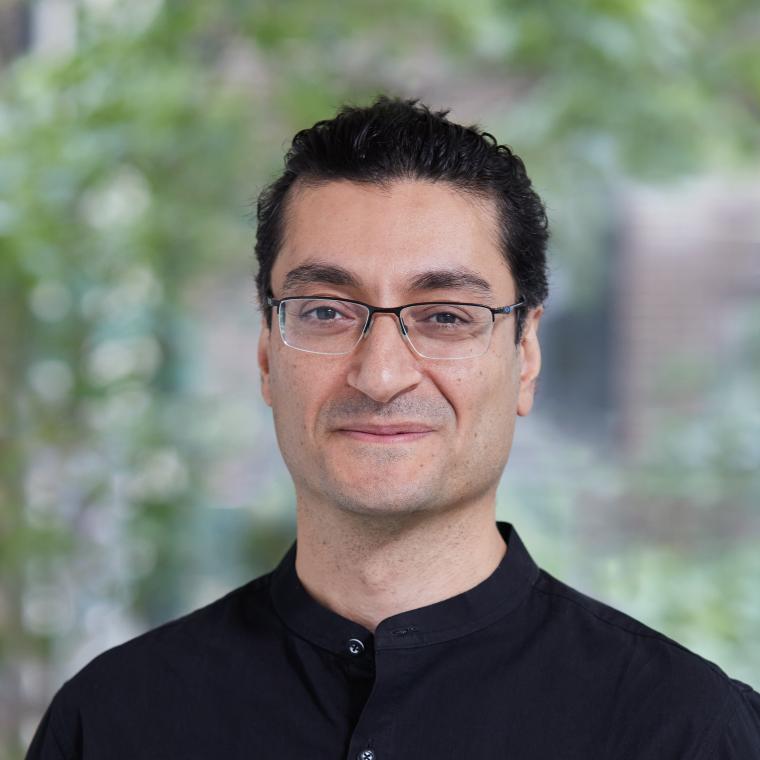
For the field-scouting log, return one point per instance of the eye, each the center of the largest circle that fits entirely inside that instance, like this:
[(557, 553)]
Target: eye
[(323, 313), (445, 318), (442, 314), (326, 313)]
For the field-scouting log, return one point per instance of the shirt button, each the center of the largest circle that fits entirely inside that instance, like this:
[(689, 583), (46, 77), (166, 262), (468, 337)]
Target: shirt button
[(366, 754), (356, 647)]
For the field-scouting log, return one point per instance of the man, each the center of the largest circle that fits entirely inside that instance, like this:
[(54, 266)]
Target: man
[(402, 274)]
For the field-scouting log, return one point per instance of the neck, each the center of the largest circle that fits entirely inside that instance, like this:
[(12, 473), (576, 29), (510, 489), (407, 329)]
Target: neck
[(367, 568)]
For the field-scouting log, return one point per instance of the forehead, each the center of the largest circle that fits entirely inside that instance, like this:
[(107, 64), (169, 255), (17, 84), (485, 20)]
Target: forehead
[(388, 235)]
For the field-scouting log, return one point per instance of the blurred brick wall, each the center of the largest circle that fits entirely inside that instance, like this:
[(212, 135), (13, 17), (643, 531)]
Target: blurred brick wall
[(688, 269)]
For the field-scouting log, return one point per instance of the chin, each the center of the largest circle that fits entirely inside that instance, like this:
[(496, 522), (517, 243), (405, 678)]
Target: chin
[(382, 502)]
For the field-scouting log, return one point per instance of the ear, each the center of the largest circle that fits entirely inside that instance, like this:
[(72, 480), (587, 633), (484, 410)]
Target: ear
[(529, 355), (263, 358)]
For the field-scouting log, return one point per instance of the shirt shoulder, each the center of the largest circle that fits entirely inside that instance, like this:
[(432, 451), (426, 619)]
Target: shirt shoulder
[(740, 737), (218, 625), (175, 656), (663, 698)]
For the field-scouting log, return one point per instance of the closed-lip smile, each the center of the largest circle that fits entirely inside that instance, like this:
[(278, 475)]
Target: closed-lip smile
[(396, 432)]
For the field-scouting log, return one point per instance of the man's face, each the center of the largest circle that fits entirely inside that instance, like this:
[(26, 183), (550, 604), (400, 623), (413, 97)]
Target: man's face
[(330, 412)]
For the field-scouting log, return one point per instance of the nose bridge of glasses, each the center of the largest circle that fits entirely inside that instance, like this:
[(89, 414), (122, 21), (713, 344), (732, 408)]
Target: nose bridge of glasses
[(393, 313)]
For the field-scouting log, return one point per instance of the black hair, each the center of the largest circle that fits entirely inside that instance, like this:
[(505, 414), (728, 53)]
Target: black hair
[(396, 139)]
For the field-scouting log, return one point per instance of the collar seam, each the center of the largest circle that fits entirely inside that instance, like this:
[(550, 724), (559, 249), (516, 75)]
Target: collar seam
[(472, 626)]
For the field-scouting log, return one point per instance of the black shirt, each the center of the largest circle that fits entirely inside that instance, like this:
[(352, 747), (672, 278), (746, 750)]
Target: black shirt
[(521, 666)]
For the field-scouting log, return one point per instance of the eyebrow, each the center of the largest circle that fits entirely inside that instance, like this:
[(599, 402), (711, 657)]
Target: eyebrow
[(434, 279), (443, 279), (327, 274)]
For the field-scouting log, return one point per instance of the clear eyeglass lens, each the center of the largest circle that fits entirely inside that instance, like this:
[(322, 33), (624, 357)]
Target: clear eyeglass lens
[(436, 331), (448, 331), (321, 325)]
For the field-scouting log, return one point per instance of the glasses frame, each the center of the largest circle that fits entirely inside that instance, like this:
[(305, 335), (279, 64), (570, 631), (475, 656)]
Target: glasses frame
[(372, 310)]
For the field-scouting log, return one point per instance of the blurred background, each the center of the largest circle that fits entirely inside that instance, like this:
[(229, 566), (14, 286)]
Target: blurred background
[(140, 473)]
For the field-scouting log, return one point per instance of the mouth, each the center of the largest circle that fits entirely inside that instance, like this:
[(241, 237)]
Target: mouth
[(399, 433)]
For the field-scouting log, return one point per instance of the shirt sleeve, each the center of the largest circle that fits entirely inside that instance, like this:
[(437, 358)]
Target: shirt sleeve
[(740, 739), (48, 742)]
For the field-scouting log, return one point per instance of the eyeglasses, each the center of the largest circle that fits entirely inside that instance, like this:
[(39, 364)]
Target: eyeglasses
[(436, 330)]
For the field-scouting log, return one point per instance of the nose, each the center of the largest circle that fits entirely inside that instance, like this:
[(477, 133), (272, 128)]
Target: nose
[(383, 364)]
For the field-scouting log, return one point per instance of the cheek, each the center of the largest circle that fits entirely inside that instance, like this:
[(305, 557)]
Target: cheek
[(297, 396), (289, 397), (485, 401)]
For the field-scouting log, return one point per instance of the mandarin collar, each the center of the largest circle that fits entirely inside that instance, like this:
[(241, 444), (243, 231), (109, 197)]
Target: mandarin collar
[(496, 596)]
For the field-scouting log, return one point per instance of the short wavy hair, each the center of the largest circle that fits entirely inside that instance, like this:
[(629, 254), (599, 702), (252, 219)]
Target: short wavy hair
[(394, 139)]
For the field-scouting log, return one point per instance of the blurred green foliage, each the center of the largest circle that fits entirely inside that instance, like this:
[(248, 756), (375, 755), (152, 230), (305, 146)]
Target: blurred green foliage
[(126, 172)]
